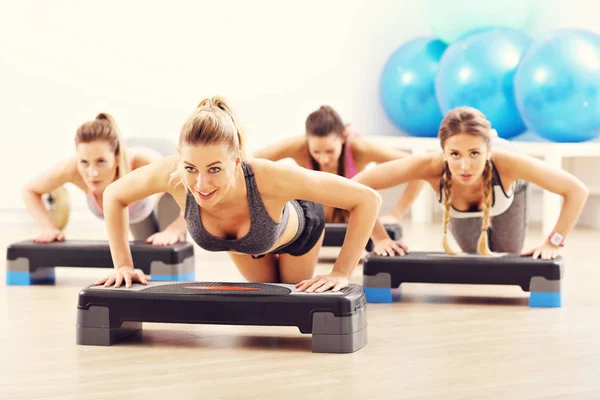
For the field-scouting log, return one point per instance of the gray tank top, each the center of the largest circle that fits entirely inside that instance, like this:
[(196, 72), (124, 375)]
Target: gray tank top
[(264, 231), (508, 222)]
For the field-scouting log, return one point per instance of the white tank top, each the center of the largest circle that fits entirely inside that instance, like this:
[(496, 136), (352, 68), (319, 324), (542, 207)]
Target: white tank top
[(138, 211), (501, 199)]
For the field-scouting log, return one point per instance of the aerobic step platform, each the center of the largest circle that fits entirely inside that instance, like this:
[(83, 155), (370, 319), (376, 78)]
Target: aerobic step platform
[(29, 263), (336, 320), (542, 278)]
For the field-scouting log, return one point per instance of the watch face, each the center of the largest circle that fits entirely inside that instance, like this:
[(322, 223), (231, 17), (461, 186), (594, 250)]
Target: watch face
[(556, 239)]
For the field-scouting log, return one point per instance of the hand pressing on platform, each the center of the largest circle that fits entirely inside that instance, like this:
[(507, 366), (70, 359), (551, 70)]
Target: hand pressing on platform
[(389, 247), (127, 274), (547, 251), (320, 283), (49, 235), (164, 238)]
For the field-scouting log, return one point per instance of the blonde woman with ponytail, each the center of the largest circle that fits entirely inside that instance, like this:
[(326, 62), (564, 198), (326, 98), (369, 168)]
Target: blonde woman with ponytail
[(102, 158), (482, 187), (267, 216)]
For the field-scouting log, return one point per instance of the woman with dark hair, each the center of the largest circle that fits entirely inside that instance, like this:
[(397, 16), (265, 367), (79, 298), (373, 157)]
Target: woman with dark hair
[(330, 146)]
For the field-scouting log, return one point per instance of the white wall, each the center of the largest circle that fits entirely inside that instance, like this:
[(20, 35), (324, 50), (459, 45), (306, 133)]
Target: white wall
[(62, 62)]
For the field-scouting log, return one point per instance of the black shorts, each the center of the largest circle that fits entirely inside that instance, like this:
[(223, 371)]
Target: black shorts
[(311, 225)]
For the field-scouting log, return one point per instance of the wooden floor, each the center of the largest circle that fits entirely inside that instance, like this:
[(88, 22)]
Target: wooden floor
[(440, 342)]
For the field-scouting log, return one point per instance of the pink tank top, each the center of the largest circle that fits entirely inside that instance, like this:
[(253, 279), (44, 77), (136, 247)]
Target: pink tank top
[(138, 211), (351, 170)]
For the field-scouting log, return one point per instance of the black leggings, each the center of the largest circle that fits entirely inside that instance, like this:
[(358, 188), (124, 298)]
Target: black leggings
[(311, 224)]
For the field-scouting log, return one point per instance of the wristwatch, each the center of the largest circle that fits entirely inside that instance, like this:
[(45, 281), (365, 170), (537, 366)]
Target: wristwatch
[(556, 239)]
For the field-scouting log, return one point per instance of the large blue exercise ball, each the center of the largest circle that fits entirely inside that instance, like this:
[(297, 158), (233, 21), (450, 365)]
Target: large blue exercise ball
[(478, 71), (450, 20), (557, 86), (407, 87)]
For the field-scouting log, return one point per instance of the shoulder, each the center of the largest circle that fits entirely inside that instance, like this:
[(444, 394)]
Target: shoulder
[(297, 146), (358, 144), (140, 156), (69, 168), (432, 164), (163, 172), (361, 146), (272, 176), (368, 150), (264, 168), (507, 162)]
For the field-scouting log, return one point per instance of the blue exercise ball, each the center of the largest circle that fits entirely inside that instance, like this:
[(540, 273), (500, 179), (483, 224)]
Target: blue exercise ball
[(557, 86), (478, 71), (451, 20), (407, 87)]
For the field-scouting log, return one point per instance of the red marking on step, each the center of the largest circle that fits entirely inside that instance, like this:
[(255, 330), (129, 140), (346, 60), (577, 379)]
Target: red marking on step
[(226, 288)]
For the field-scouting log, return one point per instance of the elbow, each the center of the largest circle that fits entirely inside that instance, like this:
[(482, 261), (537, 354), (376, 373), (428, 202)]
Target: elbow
[(373, 199), (110, 196), (27, 193), (585, 193), (582, 191), (579, 193)]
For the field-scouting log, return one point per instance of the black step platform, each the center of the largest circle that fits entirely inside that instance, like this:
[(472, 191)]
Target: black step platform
[(336, 320), (542, 278), (335, 234), (30, 263)]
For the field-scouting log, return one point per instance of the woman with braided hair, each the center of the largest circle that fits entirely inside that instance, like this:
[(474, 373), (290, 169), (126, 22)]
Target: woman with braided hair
[(483, 189)]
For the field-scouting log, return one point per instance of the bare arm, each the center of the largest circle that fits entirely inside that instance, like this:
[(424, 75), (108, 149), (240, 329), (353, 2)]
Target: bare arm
[(412, 169), (289, 148), (368, 151), (517, 166), (372, 152), (143, 157), (392, 173), (135, 186), (293, 182), (176, 229), (62, 173)]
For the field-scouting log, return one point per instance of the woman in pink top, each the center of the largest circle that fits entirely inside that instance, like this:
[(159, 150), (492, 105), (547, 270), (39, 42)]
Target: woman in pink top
[(330, 146), (101, 159)]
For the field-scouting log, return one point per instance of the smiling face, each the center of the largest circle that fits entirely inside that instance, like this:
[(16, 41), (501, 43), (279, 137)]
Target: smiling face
[(97, 164), (326, 150), (208, 171)]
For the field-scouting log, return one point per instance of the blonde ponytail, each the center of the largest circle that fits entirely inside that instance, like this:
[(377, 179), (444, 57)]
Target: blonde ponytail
[(214, 121), (121, 151)]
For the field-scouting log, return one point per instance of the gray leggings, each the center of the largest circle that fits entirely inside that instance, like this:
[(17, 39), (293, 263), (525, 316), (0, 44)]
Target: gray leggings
[(507, 230), (167, 210)]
